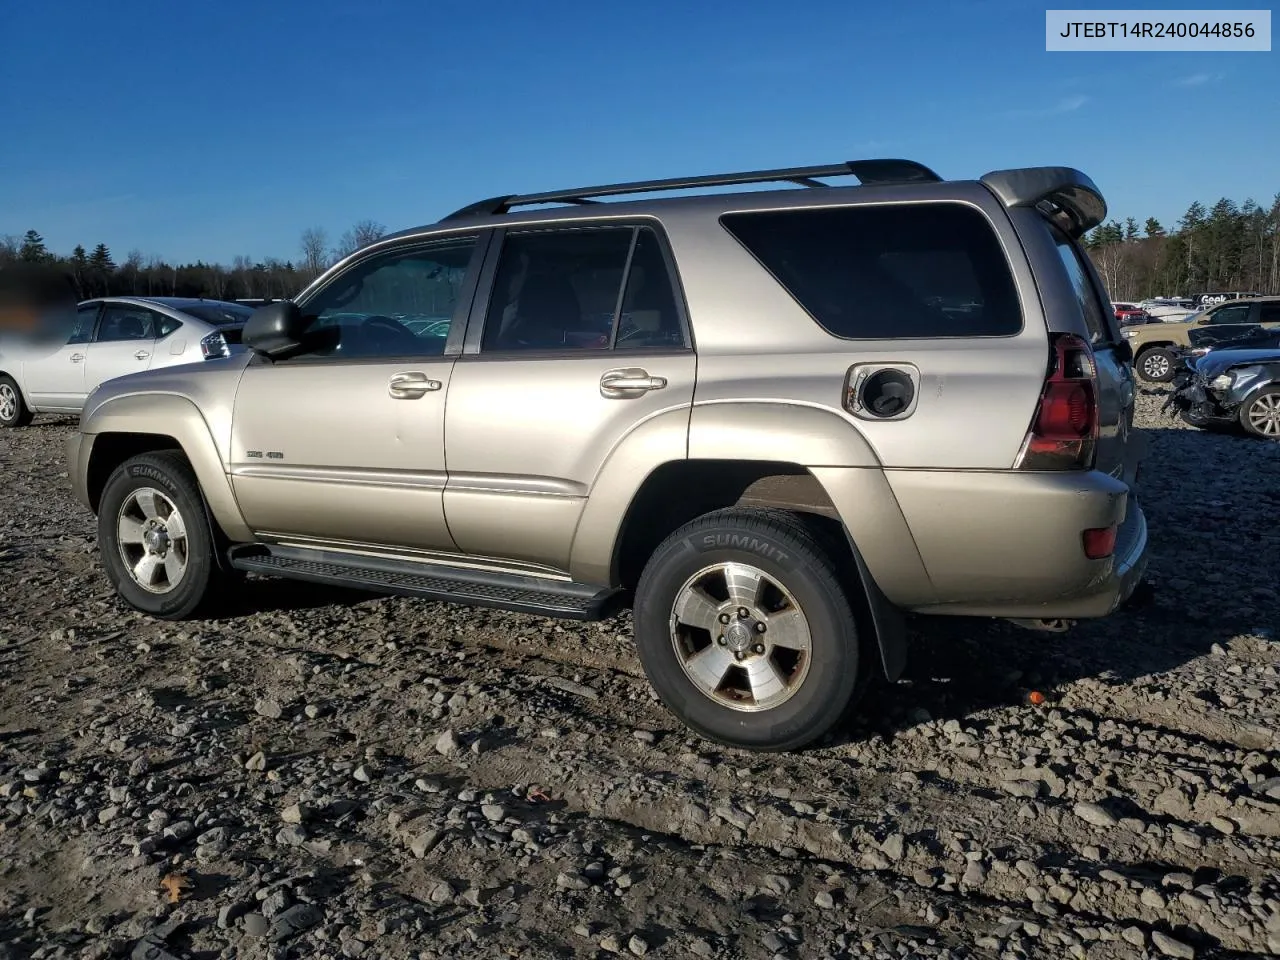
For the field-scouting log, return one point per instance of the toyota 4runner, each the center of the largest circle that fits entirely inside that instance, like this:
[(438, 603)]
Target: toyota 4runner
[(769, 421)]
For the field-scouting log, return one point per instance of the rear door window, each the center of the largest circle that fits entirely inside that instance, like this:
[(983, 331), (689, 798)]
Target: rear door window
[(903, 271)]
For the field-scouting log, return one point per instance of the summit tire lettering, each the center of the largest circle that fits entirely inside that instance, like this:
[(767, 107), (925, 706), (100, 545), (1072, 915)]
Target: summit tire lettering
[(742, 541)]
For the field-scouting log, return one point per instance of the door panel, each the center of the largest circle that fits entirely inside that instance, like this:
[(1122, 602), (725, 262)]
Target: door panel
[(345, 442), (125, 343), (347, 452), (528, 437), (582, 341), (56, 381)]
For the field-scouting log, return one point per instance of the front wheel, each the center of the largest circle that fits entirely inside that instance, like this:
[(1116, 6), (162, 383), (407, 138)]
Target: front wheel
[(1260, 414), (745, 631), (155, 541), (1158, 365)]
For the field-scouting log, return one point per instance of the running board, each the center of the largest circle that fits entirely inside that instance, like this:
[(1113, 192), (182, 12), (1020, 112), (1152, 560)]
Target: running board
[(562, 599)]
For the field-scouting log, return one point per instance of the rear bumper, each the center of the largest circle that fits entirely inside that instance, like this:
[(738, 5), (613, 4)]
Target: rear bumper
[(1010, 544)]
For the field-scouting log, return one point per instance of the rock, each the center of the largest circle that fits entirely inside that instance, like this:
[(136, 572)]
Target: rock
[(291, 835), (255, 925), (1027, 789), (824, 900), (975, 874), (424, 843), (296, 813), (270, 709), (293, 921), (229, 913), (571, 881), (447, 743), (257, 762), (493, 812), (894, 846), (638, 945), (1094, 814), (1171, 947), (645, 736)]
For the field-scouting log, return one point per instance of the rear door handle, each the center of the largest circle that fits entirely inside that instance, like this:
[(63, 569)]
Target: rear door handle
[(141, 355), (77, 358), (629, 382), (411, 386)]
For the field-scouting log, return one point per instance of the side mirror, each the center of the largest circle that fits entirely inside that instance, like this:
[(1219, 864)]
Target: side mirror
[(1124, 351), (274, 329)]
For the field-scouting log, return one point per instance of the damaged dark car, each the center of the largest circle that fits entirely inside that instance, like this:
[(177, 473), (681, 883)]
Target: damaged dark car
[(1233, 387)]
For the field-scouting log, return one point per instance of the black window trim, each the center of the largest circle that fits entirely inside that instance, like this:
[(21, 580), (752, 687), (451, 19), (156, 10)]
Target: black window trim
[(93, 327), (880, 204), (471, 350), (483, 240)]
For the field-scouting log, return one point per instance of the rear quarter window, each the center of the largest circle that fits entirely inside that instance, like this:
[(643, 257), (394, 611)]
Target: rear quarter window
[(904, 271)]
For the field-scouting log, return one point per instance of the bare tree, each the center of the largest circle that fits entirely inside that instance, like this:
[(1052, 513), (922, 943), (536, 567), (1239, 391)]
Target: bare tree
[(10, 244), (362, 234), (133, 268), (314, 244)]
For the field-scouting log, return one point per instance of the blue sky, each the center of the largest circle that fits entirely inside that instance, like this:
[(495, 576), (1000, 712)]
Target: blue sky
[(206, 130)]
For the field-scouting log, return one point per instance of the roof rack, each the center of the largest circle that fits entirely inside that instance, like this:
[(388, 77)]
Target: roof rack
[(868, 172)]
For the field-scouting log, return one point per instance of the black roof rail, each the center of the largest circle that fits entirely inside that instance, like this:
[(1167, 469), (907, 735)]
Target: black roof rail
[(868, 172)]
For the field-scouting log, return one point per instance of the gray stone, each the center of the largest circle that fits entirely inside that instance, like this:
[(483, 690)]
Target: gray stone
[(255, 925), (493, 812), (424, 843), (1094, 814), (447, 743), (894, 846), (294, 921), (1171, 947), (638, 945), (270, 709)]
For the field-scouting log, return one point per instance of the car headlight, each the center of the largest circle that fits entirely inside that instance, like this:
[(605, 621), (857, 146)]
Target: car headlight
[(1129, 333), (1221, 382)]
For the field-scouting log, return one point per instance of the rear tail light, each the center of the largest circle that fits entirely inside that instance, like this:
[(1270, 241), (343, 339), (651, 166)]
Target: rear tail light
[(1064, 431), (214, 346), (1099, 542)]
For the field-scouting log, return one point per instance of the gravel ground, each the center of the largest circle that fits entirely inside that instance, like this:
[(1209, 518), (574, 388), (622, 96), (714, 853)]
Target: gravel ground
[(324, 775)]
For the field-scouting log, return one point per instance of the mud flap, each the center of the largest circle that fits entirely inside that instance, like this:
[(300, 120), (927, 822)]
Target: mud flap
[(887, 620)]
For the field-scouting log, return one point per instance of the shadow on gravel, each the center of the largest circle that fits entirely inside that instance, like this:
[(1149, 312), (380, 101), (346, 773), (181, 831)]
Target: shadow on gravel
[(1212, 567), (275, 595)]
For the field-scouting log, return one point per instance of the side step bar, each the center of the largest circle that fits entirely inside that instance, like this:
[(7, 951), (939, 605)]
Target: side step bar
[(561, 599)]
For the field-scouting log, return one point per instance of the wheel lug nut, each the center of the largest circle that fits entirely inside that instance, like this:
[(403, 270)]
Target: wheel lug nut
[(721, 641), (743, 613), (724, 618), (760, 626), (738, 655), (758, 648)]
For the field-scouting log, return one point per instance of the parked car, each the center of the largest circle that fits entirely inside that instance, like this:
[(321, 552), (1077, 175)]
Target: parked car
[(1156, 347), (1231, 387), (778, 442), (114, 336), (1169, 309), (1129, 314)]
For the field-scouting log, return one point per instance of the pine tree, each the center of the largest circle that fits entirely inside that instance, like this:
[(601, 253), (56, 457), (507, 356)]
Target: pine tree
[(1131, 229), (33, 248), (1153, 228)]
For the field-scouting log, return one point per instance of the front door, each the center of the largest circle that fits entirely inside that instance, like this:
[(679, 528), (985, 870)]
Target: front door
[(56, 381), (125, 342), (343, 444), (582, 341)]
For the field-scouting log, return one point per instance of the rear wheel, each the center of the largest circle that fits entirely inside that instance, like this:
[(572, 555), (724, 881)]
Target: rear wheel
[(1157, 364), (1260, 414), (155, 540), (14, 411), (745, 631)]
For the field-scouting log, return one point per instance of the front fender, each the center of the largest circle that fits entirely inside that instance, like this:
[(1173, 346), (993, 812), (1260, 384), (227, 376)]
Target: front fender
[(175, 417)]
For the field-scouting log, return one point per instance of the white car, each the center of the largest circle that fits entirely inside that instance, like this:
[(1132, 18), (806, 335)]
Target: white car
[(114, 336)]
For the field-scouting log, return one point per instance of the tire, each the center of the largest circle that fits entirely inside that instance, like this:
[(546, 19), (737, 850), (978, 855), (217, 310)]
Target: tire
[(1260, 414), (1157, 365), (14, 411), (184, 576), (810, 692)]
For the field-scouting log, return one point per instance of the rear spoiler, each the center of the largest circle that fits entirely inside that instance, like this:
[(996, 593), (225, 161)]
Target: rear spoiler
[(1063, 194)]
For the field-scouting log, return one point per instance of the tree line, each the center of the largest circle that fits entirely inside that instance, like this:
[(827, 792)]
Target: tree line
[(96, 273), (1226, 247)]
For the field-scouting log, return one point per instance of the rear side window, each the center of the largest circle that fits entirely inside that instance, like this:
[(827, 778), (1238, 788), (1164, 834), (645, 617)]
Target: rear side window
[(909, 271), (1086, 293), (1269, 313)]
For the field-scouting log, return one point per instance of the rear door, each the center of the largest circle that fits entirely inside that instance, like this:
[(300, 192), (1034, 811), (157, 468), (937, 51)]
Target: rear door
[(579, 340), (124, 344), (1118, 449)]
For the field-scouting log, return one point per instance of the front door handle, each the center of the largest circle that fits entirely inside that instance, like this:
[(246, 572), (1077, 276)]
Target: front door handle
[(141, 355), (629, 382), (411, 386), (77, 358)]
